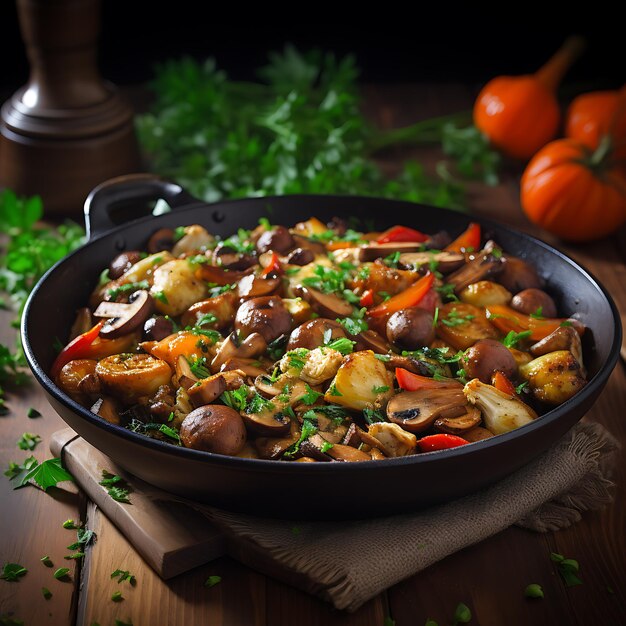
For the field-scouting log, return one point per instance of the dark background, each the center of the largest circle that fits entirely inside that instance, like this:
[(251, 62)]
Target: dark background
[(439, 43)]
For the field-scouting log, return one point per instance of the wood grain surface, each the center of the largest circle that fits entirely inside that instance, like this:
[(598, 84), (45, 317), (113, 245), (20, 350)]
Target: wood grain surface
[(489, 577)]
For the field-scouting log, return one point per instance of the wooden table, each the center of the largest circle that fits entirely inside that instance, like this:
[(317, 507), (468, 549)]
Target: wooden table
[(489, 577)]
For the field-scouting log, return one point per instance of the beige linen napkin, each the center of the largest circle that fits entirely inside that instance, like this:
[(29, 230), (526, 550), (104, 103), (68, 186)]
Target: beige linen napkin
[(351, 562)]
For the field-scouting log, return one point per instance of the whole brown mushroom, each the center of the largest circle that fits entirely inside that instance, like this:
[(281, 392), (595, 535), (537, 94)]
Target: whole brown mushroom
[(410, 328), (278, 239), (534, 301), (122, 263), (517, 275), (213, 428), (486, 357), (266, 315), (310, 335)]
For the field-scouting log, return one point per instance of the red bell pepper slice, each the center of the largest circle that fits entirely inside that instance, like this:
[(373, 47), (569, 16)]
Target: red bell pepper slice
[(273, 267), (402, 234), (413, 382), (502, 383), (440, 441), (78, 348), (470, 238), (405, 299), (367, 299)]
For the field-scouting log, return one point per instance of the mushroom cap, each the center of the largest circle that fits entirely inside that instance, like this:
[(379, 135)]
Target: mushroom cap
[(214, 428), (124, 318), (266, 315)]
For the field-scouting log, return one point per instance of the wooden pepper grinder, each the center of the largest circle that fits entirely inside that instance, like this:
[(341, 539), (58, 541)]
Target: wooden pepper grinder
[(67, 130)]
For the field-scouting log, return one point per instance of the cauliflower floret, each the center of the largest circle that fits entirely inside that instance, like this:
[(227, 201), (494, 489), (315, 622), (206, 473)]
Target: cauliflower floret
[(394, 440), (321, 364), (195, 238)]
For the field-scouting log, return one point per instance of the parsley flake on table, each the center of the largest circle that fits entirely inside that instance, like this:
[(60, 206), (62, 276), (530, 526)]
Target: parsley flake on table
[(83, 537), (12, 572), (115, 485), (46, 593), (62, 572), (211, 581), (568, 569), (462, 614), (117, 596), (534, 591), (119, 494), (33, 413), (123, 575), (28, 441), (70, 524), (119, 622), (47, 561), (11, 621)]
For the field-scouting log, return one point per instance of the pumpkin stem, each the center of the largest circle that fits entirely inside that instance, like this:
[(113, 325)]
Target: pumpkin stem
[(604, 149), (551, 74)]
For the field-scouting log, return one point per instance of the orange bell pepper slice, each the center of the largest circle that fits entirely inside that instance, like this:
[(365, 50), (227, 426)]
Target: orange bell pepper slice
[(502, 383), (414, 382), (506, 319), (405, 299), (401, 234), (78, 348), (470, 238), (441, 441)]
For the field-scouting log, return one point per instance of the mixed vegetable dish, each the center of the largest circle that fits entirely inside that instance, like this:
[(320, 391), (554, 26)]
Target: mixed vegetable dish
[(320, 343)]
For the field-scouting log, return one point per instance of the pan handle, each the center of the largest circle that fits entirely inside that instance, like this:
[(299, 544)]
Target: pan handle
[(127, 188)]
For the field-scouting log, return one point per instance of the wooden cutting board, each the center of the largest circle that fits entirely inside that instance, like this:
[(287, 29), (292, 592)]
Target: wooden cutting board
[(172, 537)]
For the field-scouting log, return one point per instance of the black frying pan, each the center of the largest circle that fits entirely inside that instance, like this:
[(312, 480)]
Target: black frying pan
[(314, 490)]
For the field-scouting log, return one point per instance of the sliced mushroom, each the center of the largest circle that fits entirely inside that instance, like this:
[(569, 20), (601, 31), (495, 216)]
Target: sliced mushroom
[(485, 264), (416, 411), (255, 286), (478, 433), (326, 304), (300, 256), (446, 262), (394, 440), (253, 345), (108, 409), (220, 275), (312, 448), (209, 389), (124, 318), (250, 367), (352, 436), (378, 250), (461, 424), (371, 340), (305, 243), (184, 376), (228, 258), (347, 454), (278, 239), (563, 338), (274, 447)]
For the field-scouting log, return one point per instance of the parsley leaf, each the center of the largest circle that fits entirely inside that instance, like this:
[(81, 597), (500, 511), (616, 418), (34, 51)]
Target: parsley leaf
[(311, 396), (115, 485), (534, 591), (462, 614), (109, 479), (309, 427), (326, 446), (33, 413), (211, 581), (12, 572), (114, 292), (237, 398), (84, 537), (372, 416), (70, 524), (198, 367), (455, 319), (343, 345), (47, 594), (123, 575), (45, 475), (62, 572), (28, 441), (568, 569), (380, 389), (119, 494), (512, 338), (117, 596)]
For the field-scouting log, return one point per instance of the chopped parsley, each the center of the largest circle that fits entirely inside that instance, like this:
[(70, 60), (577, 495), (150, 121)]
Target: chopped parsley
[(326, 446), (332, 411), (333, 391), (28, 441), (356, 323), (512, 338), (372, 416), (343, 344), (309, 428), (276, 348), (311, 396), (462, 614), (114, 292), (568, 569), (380, 389), (119, 494), (123, 575), (198, 367), (109, 479), (160, 296), (237, 398), (455, 319), (258, 404), (329, 280), (46, 593), (211, 581), (217, 290), (70, 524), (446, 291), (538, 314), (207, 318), (385, 358), (117, 596), (534, 591), (521, 387), (179, 233), (565, 324), (240, 242), (392, 260), (297, 357), (33, 413), (47, 561), (62, 572), (115, 485), (83, 537), (12, 572), (75, 556)]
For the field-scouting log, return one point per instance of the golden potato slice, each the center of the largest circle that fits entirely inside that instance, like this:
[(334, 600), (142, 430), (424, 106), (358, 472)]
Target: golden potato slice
[(461, 325)]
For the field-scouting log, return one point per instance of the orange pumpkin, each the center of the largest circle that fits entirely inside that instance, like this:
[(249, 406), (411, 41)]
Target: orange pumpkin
[(520, 114), (593, 115), (573, 192)]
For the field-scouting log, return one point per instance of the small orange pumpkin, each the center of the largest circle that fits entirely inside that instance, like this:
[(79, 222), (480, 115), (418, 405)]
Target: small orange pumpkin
[(593, 115), (574, 193), (520, 114)]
